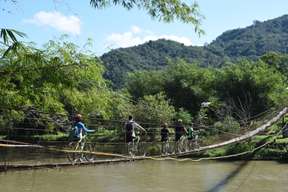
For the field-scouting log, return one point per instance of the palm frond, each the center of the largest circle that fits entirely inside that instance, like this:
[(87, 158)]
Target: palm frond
[(8, 35)]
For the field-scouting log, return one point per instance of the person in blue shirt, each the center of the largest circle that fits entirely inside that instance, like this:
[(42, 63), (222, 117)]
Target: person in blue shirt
[(80, 130)]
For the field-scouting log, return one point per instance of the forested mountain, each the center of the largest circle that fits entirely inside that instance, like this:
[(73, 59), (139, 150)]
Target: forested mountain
[(153, 55), (255, 40), (252, 42)]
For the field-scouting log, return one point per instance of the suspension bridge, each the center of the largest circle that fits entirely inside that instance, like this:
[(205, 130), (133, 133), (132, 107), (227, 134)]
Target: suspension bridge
[(113, 157)]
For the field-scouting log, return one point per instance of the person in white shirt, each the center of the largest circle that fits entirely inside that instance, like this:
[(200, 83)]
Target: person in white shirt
[(130, 127)]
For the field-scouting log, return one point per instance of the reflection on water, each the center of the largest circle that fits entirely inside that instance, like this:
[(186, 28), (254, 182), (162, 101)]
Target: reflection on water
[(47, 155), (152, 176)]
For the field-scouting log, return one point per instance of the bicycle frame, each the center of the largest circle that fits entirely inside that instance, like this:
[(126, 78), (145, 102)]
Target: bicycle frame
[(165, 147), (79, 147), (182, 144), (134, 147)]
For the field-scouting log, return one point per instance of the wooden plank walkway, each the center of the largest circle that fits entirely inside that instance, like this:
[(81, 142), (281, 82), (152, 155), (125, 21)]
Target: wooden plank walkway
[(8, 167)]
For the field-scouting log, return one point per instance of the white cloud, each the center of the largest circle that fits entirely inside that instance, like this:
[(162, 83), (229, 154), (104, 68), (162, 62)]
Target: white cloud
[(56, 20), (135, 29), (138, 36)]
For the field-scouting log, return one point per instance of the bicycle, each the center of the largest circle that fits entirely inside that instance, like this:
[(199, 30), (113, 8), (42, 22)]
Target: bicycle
[(136, 148), (185, 144), (182, 144), (165, 147), (81, 150), (193, 143)]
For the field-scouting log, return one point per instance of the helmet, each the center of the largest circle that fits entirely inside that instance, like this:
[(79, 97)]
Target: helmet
[(78, 117), (165, 125)]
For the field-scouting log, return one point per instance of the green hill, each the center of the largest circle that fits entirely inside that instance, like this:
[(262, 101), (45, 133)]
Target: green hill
[(251, 42), (255, 40)]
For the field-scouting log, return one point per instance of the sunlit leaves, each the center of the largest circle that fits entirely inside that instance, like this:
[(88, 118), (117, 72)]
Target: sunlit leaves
[(58, 79), (164, 10), (10, 36)]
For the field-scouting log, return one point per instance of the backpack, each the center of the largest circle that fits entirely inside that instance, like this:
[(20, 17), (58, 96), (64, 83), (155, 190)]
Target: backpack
[(191, 133), (129, 127), (72, 132)]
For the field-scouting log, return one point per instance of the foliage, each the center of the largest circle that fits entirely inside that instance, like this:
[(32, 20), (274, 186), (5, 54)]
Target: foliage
[(59, 79), (250, 42), (144, 83), (277, 60), (153, 55), (255, 40), (121, 105), (249, 88), (165, 10), (236, 92), (184, 115), (9, 36), (229, 124), (238, 148), (184, 84), (153, 109)]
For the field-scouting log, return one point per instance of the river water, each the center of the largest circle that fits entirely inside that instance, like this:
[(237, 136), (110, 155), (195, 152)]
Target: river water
[(152, 176)]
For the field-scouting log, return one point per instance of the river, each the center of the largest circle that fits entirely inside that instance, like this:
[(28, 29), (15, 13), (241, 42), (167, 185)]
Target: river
[(152, 176)]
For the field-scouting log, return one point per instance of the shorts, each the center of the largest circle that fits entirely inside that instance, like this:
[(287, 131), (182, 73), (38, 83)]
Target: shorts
[(165, 139), (177, 136), (129, 137)]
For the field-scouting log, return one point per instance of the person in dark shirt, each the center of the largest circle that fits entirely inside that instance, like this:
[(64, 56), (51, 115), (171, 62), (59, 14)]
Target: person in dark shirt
[(179, 131), (164, 139), (164, 133)]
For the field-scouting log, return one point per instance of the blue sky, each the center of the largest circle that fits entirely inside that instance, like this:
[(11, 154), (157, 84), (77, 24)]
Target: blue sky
[(115, 27)]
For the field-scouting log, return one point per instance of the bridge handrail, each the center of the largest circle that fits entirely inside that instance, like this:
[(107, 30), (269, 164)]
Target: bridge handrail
[(243, 137)]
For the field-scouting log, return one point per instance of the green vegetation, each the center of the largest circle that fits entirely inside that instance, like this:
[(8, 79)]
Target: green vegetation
[(163, 10), (246, 88), (255, 40), (41, 89), (153, 55), (251, 42)]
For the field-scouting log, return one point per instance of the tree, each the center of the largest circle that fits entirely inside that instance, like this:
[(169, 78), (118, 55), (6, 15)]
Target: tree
[(164, 10), (250, 88), (58, 79), (186, 85), (9, 35), (277, 60), (154, 110)]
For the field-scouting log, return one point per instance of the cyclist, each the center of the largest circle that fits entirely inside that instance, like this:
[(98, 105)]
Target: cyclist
[(77, 140), (180, 130), (80, 130), (130, 127), (130, 135), (164, 138), (191, 136)]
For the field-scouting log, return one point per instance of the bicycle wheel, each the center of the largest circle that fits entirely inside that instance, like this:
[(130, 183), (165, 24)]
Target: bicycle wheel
[(89, 147), (165, 148), (141, 151), (131, 149), (73, 156), (182, 145)]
